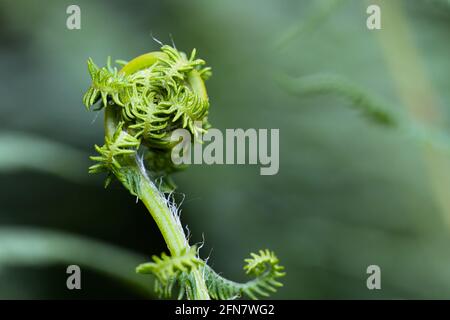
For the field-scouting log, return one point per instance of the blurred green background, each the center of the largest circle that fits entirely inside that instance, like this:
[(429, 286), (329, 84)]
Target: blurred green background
[(350, 193)]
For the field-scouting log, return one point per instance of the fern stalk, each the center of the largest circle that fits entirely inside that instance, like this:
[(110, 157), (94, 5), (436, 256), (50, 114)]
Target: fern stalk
[(152, 198), (171, 230), (148, 99)]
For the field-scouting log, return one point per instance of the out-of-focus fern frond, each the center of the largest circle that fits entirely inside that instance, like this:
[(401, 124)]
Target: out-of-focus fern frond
[(312, 22), (369, 106), (19, 151), (264, 266), (36, 247)]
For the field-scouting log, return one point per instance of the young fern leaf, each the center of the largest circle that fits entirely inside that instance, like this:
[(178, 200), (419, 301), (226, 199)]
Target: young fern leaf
[(144, 103), (266, 269), (114, 154), (150, 120), (106, 82), (188, 107), (324, 84), (264, 266), (175, 67), (168, 270), (153, 100)]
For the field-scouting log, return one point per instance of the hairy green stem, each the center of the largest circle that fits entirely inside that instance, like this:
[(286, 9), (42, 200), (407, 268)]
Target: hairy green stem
[(144, 102), (171, 230), (167, 221)]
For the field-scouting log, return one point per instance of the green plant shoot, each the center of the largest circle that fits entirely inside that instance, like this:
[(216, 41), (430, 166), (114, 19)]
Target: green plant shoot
[(143, 103)]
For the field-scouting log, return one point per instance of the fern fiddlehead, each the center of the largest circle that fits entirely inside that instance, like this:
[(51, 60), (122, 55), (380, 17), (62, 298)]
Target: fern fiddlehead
[(144, 102), (175, 271), (168, 269), (263, 266)]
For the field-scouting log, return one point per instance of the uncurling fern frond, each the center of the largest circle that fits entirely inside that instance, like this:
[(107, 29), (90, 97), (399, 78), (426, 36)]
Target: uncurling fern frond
[(106, 82), (150, 120), (155, 100), (176, 65), (168, 270), (113, 157), (370, 107), (188, 107), (264, 266), (112, 153), (144, 103)]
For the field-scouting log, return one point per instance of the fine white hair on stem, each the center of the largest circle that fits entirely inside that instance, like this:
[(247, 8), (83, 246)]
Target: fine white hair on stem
[(159, 182), (209, 254), (141, 165), (188, 233), (156, 40), (176, 213), (206, 262), (173, 42), (95, 117), (183, 197), (201, 244), (168, 199)]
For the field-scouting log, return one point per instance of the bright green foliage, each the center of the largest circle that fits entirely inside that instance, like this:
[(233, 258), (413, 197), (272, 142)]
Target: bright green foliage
[(176, 66), (264, 266), (150, 103), (113, 152), (156, 94), (117, 152), (174, 271), (155, 100), (167, 269), (106, 82)]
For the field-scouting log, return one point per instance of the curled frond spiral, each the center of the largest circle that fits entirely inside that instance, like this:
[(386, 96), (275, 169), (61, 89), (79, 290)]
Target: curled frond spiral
[(264, 266), (150, 101), (144, 103), (175, 67), (188, 107)]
